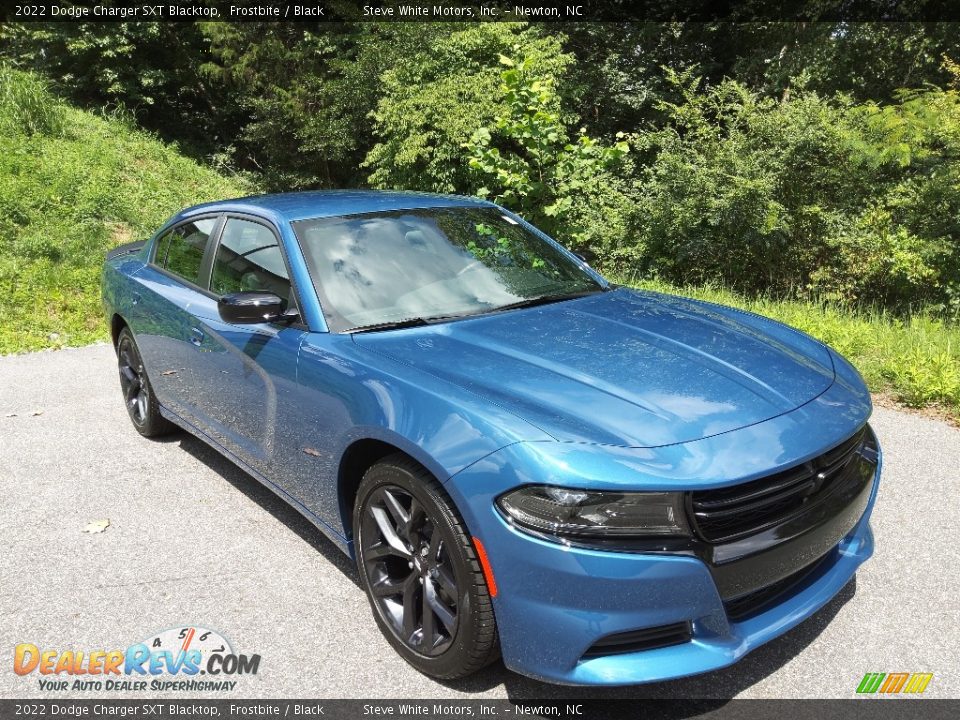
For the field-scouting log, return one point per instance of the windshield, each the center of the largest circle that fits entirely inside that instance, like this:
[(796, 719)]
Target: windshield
[(431, 264)]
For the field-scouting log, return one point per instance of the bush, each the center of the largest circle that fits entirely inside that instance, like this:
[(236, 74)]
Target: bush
[(432, 102), (805, 195), (527, 160), (742, 189)]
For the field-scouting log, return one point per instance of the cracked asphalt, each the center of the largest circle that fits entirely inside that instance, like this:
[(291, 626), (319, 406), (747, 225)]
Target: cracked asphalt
[(194, 541)]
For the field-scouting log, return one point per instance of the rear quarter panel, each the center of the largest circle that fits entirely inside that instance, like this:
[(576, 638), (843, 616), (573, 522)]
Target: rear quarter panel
[(120, 266)]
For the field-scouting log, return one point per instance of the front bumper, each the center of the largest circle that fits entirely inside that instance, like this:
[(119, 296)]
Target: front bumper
[(555, 601), (544, 635)]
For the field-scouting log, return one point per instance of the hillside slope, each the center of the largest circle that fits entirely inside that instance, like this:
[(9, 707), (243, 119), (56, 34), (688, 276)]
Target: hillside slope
[(72, 185)]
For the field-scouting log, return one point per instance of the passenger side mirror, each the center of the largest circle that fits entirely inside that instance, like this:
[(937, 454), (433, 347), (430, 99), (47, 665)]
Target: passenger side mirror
[(250, 307)]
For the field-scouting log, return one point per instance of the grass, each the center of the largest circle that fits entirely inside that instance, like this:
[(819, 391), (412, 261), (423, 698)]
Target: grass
[(915, 361), (73, 184)]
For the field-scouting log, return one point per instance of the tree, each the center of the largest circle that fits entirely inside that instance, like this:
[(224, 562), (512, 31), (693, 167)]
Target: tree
[(440, 93), (528, 160), (307, 91), (151, 71)]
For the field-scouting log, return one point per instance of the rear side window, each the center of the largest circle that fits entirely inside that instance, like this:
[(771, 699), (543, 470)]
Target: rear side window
[(249, 258), (181, 250), (160, 254)]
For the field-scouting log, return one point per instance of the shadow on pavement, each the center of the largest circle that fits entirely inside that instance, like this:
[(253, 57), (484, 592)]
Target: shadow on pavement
[(268, 500)]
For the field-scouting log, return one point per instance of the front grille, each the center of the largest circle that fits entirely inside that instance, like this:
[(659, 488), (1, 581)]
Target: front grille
[(636, 640), (748, 605), (725, 514)]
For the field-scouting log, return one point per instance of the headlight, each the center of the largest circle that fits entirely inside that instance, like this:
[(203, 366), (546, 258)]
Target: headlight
[(561, 511)]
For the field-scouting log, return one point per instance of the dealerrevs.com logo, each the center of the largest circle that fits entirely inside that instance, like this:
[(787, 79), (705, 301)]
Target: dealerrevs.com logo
[(189, 659)]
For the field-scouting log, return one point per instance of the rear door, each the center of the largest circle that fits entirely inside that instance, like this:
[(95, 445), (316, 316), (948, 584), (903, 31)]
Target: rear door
[(161, 318), (249, 371)]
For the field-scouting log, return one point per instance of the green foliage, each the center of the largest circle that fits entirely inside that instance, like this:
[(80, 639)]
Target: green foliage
[(738, 188), (26, 105), (910, 222), (306, 95), (150, 70), (69, 191), (867, 60), (812, 161), (809, 195), (620, 66), (440, 93), (294, 101), (916, 360), (528, 161), (923, 377)]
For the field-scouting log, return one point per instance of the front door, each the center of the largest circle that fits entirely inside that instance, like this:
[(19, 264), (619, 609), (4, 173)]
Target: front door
[(250, 371)]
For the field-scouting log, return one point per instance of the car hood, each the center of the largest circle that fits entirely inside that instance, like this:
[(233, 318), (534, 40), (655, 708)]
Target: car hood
[(623, 367)]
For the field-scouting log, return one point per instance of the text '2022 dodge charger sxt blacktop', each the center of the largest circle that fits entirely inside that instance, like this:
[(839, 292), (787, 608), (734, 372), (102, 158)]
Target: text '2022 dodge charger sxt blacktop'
[(602, 485)]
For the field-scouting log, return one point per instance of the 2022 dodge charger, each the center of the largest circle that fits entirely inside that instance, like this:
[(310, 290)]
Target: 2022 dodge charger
[(604, 486)]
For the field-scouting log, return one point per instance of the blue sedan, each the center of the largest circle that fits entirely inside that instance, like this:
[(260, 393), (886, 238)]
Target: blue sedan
[(602, 486)]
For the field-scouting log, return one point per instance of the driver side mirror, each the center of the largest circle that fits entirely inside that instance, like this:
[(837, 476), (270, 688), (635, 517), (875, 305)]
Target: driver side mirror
[(250, 307)]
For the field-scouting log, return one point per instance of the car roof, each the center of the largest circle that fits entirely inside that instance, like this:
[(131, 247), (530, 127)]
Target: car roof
[(295, 206)]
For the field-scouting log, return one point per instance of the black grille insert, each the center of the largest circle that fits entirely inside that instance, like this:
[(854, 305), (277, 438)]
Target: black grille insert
[(726, 514), (753, 603), (646, 639)]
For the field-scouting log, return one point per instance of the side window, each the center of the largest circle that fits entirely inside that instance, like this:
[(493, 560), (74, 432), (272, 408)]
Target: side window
[(185, 247), (249, 258), (163, 245)]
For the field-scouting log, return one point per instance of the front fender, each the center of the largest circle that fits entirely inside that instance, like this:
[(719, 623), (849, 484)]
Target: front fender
[(347, 394)]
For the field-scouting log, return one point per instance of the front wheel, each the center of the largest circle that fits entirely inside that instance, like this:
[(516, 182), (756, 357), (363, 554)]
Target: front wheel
[(141, 403), (421, 573)]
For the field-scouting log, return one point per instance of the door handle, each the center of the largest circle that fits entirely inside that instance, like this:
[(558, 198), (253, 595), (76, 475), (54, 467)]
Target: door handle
[(196, 336)]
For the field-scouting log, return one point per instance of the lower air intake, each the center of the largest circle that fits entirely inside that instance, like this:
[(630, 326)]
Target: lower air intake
[(636, 640)]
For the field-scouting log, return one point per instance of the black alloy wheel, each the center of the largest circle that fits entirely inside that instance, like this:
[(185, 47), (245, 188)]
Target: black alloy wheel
[(138, 397), (420, 570), (409, 571)]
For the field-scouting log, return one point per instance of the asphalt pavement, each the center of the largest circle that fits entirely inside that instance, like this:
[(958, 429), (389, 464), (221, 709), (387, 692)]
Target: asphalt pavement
[(195, 542)]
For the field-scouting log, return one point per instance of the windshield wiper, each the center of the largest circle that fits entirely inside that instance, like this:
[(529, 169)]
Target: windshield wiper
[(432, 319), (405, 323), (544, 300)]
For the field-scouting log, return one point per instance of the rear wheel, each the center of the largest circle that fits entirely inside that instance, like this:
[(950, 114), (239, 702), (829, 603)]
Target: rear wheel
[(138, 397), (421, 573)]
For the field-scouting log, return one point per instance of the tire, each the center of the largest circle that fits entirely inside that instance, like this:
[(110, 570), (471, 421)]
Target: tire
[(421, 573), (138, 397)]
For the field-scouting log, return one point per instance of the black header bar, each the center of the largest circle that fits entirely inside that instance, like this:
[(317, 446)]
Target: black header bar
[(314, 11)]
